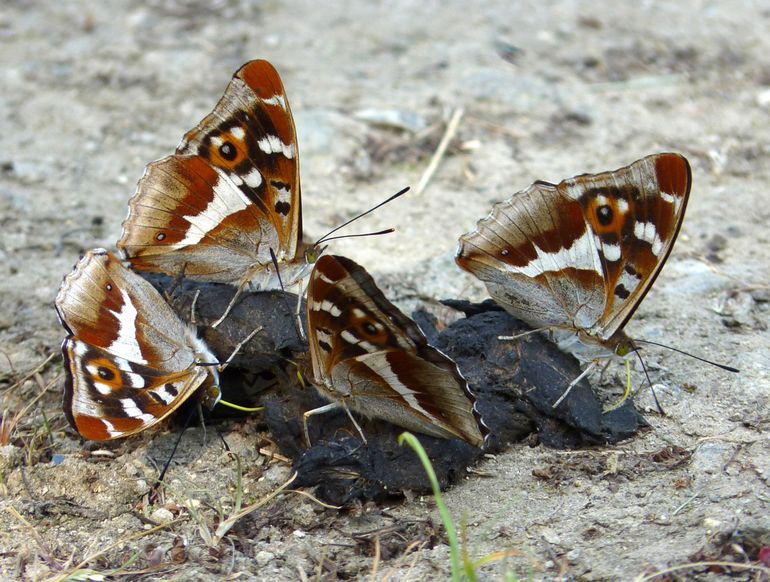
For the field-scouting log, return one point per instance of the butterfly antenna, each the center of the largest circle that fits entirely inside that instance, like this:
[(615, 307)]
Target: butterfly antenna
[(222, 438), (649, 381), (379, 232), (372, 209), (167, 464), (704, 360)]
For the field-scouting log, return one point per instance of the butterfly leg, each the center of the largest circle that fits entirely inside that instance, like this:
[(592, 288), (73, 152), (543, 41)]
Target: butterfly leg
[(587, 372), (169, 293), (320, 410), (298, 313), (232, 303), (605, 367), (221, 367), (520, 335), (193, 319), (353, 420), (327, 408)]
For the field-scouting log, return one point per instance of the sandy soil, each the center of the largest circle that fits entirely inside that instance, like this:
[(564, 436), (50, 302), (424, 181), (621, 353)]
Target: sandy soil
[(91, 92)]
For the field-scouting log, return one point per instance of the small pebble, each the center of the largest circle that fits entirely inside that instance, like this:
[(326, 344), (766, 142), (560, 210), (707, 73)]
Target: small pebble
[(573, 556), (264, 557), (162, 515), (551, 536)]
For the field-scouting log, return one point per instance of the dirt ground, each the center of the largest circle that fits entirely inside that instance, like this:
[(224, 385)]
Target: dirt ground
[(91, 92)]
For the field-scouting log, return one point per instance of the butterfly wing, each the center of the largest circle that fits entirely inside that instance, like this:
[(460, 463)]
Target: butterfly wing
[(656, 190), (367, 353), (229, 194), (129, 357), (581, 254), (108, 397)]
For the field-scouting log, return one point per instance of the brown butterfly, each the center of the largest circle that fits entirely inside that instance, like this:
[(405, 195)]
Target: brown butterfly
[(581, 255), (130, 361), (228, 197), (369, 357)]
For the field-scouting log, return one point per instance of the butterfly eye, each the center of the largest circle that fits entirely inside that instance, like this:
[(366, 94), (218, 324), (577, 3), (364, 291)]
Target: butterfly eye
[(228, 151)]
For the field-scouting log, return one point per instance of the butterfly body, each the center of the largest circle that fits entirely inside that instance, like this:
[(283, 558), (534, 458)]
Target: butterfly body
[(580, 255), (229, 195), (368, 355), (129, 358)]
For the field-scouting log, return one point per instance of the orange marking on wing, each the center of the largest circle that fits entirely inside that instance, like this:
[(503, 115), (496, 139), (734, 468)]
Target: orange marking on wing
[(240, 151), (107, 373), (262, 78)]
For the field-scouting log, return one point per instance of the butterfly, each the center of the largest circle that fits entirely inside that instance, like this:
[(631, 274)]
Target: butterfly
[(130, 360), (229, 198), (368, 356), (581, 255)]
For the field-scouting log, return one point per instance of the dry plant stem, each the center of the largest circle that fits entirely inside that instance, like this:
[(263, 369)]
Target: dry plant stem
[(120, 542), (451, 130), (273, 455), (18, 416), (37, 370), (376, 559), (38, 539), (733, 565), (315, 499), (225, 526)]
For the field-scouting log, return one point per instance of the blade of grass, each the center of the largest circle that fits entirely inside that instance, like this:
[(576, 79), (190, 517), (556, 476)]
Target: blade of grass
[(446, 517)]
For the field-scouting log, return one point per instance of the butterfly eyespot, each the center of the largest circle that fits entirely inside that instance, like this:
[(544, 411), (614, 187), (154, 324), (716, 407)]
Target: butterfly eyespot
[(505, 252), (105, 373), (160, 236), (370, 328), (228, 151), (604, 215), (108, 286)]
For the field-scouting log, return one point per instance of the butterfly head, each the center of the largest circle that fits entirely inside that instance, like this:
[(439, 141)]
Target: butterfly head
[(209, 391), (313, 253), (624, 346)]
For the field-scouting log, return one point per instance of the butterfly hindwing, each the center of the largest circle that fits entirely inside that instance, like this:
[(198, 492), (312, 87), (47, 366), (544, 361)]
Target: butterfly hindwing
[(130, 361), (107, 397)]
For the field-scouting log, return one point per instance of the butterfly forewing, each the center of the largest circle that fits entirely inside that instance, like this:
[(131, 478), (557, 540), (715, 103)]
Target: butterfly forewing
[(130, 360), (229, 194), (581, 254), (368, 354), (666, 181)]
